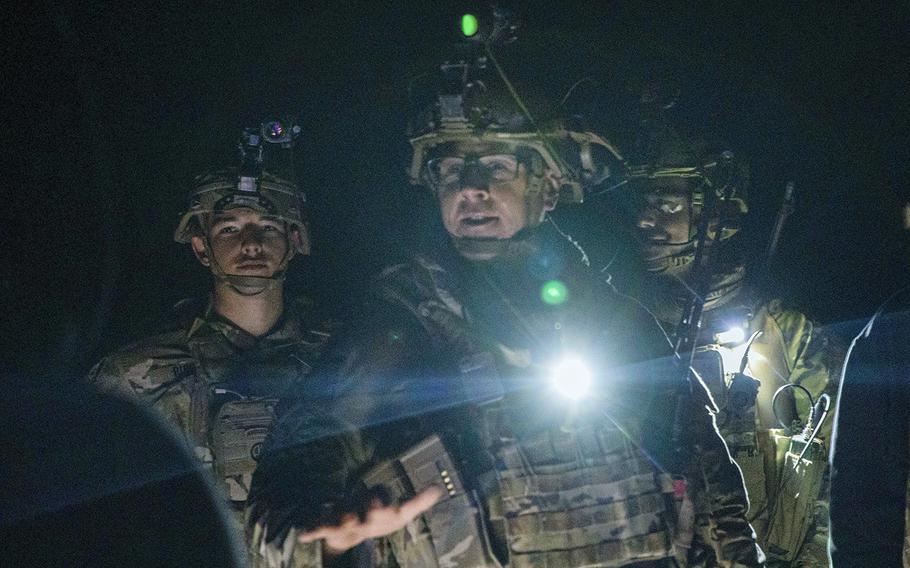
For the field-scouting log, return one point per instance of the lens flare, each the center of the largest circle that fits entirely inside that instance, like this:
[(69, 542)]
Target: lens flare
[(735, 334), (571, 378), (554, 293)]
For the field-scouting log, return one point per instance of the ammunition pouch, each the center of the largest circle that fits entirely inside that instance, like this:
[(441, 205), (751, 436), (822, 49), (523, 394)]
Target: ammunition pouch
[(735, 396), (796, 489), (452, 533), (584, 495), (737, 418), (238, 432)]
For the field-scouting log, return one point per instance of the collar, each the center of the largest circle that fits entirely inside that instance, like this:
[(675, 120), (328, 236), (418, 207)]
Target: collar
[(668, 298), (211, 323)]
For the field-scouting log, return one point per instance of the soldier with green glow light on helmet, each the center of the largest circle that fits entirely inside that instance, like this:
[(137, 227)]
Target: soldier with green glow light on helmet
[(218, 377), (752, 354), (442, 438)]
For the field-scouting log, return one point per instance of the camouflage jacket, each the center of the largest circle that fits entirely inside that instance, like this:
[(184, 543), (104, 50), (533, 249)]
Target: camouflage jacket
[(789, 349), (870, 463), (406, 370), (218, 384)]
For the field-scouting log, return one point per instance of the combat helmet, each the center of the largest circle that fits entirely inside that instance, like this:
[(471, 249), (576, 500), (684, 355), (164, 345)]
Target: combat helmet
[(248, 186), (474, 101), (717, 181)]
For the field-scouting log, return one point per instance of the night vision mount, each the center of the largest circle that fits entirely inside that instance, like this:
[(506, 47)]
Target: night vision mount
[(252, 146), (476, 101), (500, 27)]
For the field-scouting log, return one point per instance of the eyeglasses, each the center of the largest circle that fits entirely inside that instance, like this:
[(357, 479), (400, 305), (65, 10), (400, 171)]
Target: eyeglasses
[(449, 171)]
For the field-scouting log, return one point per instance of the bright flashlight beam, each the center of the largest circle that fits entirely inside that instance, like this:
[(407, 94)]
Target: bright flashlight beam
[(735, 334), (571, 378)]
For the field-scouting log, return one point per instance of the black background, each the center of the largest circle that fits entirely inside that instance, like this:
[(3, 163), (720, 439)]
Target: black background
[(111, 108)]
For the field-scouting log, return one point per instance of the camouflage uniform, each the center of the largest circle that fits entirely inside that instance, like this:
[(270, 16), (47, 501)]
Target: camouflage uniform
[(790, 349), (682, 195), (531, 481), (870, 484), (218, 384)]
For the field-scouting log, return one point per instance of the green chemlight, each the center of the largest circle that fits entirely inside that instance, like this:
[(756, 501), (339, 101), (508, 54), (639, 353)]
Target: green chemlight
[(469, 25), (554, 292)]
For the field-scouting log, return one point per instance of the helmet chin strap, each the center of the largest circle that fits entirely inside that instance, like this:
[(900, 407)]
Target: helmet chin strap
[(672, 262), (680, 259), (250, 285), (474, 248)]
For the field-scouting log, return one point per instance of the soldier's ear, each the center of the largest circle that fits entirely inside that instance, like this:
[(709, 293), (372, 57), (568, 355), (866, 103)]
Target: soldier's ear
[(551, 190), (200, 250), (300, 240)]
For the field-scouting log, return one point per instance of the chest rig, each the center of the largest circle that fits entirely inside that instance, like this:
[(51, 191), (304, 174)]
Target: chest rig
[(234, 393), (555, 496), (742, 376), (579, 494)]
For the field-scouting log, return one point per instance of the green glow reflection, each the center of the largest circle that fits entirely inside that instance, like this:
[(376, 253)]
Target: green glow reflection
[(554, 292)]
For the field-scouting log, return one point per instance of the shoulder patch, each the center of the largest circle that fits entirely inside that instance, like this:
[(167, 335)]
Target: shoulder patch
[(183, 370), (151, 374)]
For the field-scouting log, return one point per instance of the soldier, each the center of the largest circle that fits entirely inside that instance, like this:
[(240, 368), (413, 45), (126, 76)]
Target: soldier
[(442, 440), (870, 470), (218, 378), (750, 352)]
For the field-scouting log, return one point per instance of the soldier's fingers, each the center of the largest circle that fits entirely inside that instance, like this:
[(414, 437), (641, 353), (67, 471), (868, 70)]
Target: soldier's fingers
[(337, 539), (313, 535), (417, 505), (329, 531), (343, 539), (381, 521)]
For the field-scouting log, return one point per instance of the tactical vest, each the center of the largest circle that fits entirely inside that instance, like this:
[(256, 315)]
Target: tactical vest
[(557, 497), (782, 487), (582, 495), (233, 399)]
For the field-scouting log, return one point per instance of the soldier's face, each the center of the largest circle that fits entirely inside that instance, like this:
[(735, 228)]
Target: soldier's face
[(662, 219), (244, 242), (490, 197)]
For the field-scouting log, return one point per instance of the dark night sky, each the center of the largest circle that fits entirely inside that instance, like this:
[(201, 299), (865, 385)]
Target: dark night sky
[(110, 109)]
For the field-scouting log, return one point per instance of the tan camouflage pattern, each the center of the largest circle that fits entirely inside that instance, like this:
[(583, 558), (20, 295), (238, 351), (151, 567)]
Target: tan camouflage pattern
[(179, 373), (790, 350), (287, 554), (584, 496), (630, 514)]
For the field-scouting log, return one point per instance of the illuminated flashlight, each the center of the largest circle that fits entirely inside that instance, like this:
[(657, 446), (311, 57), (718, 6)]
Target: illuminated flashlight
[(735, 335), (571, 378)]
